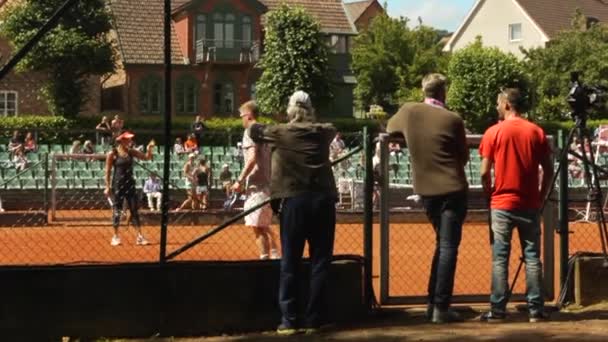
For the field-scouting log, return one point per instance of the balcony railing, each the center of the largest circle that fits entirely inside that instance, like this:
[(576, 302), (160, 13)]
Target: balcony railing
[(234, 51)]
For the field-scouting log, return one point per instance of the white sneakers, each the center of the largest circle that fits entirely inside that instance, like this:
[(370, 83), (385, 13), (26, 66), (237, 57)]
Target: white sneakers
[(140, 240), (115, 240), (274, 254)]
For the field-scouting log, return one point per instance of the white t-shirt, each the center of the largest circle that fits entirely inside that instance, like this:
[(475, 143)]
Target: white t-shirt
[(260, 175)]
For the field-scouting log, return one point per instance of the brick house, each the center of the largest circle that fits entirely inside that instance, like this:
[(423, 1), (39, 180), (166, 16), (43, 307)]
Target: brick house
[(362, 12), (20, 92), (215, 47)]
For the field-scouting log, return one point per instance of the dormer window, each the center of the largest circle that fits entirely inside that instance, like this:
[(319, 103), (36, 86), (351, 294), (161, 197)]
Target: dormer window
[(200, 27), (247, 30), (223, 27)]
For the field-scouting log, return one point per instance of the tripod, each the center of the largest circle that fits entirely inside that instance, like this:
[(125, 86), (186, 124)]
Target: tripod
[(591, 173)]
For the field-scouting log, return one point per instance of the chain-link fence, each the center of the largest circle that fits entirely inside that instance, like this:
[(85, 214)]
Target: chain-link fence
[(56, 211), (408, 240)]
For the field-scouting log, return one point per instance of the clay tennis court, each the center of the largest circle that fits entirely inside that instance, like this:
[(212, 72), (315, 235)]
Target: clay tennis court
[(411, 248)]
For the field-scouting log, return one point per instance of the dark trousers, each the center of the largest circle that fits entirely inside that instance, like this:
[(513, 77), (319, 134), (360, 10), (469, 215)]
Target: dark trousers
[(308, 217), (447, 214), (128, 194)]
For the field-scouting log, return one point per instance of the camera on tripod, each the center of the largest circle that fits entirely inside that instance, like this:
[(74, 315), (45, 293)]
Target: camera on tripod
[(583, 97)]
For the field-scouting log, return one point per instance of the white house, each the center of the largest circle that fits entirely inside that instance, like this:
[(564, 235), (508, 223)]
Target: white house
[(511, 24)]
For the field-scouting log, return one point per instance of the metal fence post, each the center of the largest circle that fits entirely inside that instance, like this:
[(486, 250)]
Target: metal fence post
[(167, 129), (368, 216), (46, 185), (384, 220), (563, 229)]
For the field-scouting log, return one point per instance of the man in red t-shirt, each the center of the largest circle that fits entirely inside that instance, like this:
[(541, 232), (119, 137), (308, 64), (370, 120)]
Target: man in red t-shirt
[(515, 148)]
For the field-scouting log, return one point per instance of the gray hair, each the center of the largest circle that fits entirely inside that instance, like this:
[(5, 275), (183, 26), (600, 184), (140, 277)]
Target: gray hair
[(300, 108), (433, 85)]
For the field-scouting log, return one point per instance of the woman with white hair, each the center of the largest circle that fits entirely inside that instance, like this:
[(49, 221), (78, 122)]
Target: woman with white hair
[(303, 190)]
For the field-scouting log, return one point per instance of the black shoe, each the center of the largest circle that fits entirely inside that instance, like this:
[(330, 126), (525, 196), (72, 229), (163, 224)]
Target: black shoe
[(285, 330), (445, 316), (538, 317), (429, 312), (493, 317)]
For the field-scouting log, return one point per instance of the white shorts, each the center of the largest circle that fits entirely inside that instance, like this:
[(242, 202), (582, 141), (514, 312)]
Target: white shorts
[(261, 217), (201, 190)]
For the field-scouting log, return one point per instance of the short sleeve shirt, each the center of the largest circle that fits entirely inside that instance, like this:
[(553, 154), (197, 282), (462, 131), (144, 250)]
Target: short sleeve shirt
[(516, 147), (260, 175)]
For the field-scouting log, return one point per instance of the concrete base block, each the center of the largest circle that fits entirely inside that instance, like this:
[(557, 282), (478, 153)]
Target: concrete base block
[(590, 279)]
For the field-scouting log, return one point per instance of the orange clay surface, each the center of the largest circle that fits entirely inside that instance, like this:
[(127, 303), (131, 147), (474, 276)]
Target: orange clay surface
[(411, 248)]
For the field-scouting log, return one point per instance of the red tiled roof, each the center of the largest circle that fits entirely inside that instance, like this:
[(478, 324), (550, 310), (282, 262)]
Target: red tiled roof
[(553, 16), (354, 10), (330, 13), (139, 27)]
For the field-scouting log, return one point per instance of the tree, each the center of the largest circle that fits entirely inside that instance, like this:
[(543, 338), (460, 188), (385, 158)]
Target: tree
[(295, 58), (390, 60), (583, 49), (72, 52), (476, 74)]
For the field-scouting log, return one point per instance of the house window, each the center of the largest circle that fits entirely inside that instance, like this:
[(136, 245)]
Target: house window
[(200, 27), (247, 31), (223, 98), (515, 33), (8, 103), (253, 91), (337, 43), (223, 26), (186, 95), (150, 95)]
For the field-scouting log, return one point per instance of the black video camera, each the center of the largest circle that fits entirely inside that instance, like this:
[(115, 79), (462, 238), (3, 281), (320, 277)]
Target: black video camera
[(583, 97)]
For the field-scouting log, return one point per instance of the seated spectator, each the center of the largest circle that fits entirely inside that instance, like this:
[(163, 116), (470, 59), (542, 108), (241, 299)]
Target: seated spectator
[(153, 190), (88, 147), (105, 131), (336, 147), (29, 144), (19, 159), (15, 142), (191, 145), (226, 180), (178, 147), (76, 147)]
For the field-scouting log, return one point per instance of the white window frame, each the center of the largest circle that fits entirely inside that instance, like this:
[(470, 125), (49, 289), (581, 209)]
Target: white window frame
[(6, 93), (521, 32)]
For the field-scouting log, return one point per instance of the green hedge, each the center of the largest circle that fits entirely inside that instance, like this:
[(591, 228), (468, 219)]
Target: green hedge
[(222, 131), (54, 129)]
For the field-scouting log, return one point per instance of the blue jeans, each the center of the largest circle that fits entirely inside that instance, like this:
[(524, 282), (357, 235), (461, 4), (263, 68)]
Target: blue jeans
[(308, 217), (446, 213), (528, 227)]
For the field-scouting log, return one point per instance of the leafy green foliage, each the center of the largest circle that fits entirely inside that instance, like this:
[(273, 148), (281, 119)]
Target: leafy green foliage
[(295, 58), (476, 74), (549, 68), (390, 60), (72, 52)]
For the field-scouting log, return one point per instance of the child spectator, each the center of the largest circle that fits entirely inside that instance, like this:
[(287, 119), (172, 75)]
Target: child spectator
[(191, 145), (153, 190), (15, 142), (178, 147), (88, 147), (226, 180), (76, 147), (19, 159), (29, 144), (117, 126)]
